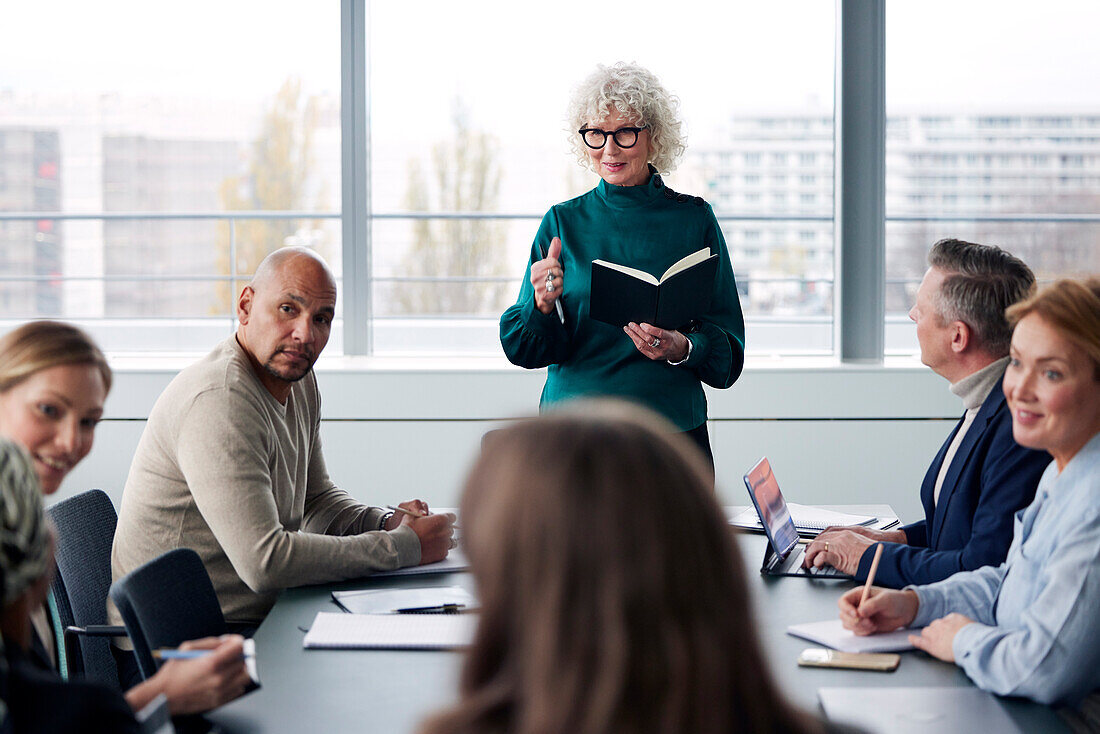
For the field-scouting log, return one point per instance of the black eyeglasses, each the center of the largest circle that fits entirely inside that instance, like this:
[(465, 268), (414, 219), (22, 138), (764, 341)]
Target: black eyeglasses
[(625, 137)]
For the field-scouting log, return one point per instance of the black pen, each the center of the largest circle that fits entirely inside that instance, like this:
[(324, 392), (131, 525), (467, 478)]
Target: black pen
[(438, 609)]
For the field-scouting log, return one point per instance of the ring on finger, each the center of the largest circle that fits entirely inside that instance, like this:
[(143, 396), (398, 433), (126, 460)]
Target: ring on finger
[(655, 343), (826, 546)]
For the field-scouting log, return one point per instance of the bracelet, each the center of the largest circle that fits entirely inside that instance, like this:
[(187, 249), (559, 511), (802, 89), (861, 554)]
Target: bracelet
[(385, 519), (686, 356)]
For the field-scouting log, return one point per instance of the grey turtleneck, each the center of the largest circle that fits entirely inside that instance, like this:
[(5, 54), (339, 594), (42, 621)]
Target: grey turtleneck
[(972, 390)]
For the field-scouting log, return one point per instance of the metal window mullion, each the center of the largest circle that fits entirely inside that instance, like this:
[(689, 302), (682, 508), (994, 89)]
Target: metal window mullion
[(355, 182), (860, 180)]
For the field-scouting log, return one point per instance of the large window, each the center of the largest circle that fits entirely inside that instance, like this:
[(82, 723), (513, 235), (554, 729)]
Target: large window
[(151, 154), (993, 136), (144, 173), (472, 124)]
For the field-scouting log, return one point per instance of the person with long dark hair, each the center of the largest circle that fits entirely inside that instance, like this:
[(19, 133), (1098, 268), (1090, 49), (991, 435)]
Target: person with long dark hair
[(600, 614)]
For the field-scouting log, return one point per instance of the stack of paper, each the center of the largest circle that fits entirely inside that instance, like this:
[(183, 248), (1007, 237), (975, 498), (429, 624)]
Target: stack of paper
[(918, 710), (389, 601), (390, 631), (454, 562), (807, 518)]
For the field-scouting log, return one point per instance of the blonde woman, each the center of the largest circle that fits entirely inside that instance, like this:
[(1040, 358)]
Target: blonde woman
[(53, 384)]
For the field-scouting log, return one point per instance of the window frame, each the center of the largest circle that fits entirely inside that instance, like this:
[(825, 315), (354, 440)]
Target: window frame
[(859, 180)]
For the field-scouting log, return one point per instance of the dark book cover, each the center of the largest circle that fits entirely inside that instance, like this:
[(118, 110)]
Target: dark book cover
[(618, 297)]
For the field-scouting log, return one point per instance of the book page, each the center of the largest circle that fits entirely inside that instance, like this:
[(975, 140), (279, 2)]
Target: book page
[(686, 262), (632, 272)]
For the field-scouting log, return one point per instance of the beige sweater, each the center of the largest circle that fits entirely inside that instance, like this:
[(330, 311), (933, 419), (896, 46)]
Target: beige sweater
[(225, 469)]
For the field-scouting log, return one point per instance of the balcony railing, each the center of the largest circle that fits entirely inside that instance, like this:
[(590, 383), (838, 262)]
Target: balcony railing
[(814, 330)]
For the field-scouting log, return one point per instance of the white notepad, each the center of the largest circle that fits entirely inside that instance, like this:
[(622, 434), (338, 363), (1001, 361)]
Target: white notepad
[(338, 630), (388, 601), (955, 710), (831, 633), (454, 562), (250, 660)]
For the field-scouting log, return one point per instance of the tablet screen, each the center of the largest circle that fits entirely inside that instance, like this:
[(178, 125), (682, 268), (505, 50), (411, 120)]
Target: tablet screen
[(768, 500)]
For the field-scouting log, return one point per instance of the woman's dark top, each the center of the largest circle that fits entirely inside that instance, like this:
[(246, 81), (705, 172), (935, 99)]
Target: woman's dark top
[(38, 701), (647, 227)]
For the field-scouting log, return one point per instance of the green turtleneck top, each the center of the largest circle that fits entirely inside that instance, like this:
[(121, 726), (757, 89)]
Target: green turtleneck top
[(648, 227)]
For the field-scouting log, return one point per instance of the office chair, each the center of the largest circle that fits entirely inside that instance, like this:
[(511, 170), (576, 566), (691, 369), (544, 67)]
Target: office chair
[(85, 531), (165, 602)]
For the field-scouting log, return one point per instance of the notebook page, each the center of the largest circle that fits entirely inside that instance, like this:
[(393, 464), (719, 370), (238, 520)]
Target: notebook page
[(817, 518), (387, 601), (337, 630), (831, 633), (686, 262), (805, 517), (454, 562)]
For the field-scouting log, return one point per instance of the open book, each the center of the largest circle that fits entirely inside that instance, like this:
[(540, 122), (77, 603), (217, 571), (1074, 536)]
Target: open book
[(621, 294)]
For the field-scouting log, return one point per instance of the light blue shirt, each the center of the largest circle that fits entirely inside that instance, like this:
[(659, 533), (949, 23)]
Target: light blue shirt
[(1037, 631)]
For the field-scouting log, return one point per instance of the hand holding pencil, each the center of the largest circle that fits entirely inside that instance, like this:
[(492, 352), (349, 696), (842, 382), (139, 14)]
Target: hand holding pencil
[(411, 508), (868, 609), (197, 684), (436, 532)]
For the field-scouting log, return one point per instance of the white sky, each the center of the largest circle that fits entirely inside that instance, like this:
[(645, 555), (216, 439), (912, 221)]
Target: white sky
[(515, 61), (716, 55)]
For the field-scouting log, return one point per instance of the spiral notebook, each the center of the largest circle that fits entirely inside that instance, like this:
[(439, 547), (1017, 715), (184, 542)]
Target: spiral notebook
[(340, 631), (807, 518), (831, 633)]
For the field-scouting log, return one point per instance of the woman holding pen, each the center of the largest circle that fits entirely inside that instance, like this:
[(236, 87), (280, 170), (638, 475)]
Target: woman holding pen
[(53, 384), (1029, 627), (598, 614)]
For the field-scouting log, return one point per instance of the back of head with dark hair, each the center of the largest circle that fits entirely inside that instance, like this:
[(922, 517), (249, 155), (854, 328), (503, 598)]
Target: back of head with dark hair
[(613, 599), (982, 281)]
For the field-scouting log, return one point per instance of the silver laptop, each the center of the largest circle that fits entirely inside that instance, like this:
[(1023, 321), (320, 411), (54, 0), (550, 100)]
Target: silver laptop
[(784, 554)]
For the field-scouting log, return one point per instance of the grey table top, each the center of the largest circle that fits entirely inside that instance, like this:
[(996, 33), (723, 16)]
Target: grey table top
[(392, 691)]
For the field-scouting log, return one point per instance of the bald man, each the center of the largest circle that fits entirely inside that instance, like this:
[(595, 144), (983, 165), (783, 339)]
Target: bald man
[(230, 463)]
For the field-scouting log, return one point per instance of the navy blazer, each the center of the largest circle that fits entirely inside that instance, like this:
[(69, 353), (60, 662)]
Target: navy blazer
[(989, 480)]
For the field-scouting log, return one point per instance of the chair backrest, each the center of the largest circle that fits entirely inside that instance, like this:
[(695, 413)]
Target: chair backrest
[(85, 531), (165, 602)]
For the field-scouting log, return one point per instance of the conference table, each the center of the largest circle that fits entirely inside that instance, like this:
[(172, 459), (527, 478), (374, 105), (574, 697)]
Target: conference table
[(391, 691)]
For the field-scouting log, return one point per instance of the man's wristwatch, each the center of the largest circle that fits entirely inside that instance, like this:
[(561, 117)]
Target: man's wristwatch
[(385, 519), (687, 356)]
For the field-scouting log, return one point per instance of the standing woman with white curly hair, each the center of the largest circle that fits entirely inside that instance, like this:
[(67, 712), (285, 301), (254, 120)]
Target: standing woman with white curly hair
[(628, 132)]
